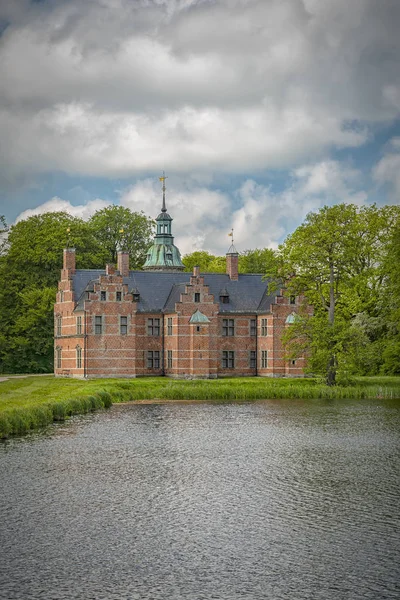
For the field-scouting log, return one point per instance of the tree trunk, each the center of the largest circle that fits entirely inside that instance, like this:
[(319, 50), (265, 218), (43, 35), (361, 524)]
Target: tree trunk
[(331, 370)]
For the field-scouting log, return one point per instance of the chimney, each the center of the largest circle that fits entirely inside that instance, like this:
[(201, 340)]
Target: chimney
[(69, 262), (123, 263), (232, 265), (196, 271), (110, 269)]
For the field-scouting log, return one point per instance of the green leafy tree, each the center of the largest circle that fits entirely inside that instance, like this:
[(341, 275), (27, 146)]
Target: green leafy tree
[(318, 260), (199, 258), (29, 271), (391, 352), (337, 259), (3, 224), (116, 227), (257, 261)]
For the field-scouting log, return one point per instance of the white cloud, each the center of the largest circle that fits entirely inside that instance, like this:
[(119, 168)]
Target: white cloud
[(83, 211), (388, 168), (203, 217), (116, 88)]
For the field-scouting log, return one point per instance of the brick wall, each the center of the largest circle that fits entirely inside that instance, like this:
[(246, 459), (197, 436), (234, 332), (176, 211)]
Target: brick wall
[(125, 347)]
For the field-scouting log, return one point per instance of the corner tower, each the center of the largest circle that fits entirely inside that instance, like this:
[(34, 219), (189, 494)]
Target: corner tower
[(163, 255)]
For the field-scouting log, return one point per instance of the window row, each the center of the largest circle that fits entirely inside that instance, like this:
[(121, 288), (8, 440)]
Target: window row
[(78, 357), (154, 326), (153, 359)]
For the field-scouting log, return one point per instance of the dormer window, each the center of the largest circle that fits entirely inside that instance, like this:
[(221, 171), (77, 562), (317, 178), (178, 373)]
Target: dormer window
[(224, 296), (197, 297), (136, 297), (169, 256)]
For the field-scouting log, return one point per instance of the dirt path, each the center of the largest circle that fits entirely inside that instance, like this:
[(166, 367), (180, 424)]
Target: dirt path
[(24, 376)]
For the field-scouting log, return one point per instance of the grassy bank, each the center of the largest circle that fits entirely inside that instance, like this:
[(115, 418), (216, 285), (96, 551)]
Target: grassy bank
[(34, 402)]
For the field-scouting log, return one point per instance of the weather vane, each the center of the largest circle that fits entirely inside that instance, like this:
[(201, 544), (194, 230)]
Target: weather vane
[(163, 178), (231, 235)]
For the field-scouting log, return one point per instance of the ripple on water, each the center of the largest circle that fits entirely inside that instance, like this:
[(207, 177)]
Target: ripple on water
[(280, 500)]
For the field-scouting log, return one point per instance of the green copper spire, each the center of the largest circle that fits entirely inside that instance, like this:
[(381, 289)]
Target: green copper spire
[(163, 255)]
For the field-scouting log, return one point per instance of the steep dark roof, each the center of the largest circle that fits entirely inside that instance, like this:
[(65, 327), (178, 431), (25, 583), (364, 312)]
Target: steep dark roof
[(159, 291)]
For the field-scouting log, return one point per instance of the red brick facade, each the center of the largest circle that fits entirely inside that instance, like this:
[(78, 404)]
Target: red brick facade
[(105, 333)]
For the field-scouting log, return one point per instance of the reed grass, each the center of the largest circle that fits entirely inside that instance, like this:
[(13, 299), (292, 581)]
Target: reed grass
[(31, 403)]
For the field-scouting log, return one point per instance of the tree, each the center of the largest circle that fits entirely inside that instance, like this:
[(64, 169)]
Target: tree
[(318, 260), (257, 261), (116, 227), (199, 258), (29, 271), (3, 224), (391, 352), (338, 259)]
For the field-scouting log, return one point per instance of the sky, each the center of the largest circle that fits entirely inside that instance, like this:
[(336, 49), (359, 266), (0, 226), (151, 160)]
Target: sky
[(259, 111)]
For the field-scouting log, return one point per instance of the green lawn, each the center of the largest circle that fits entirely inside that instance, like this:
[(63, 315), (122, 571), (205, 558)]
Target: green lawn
[(34, 402)]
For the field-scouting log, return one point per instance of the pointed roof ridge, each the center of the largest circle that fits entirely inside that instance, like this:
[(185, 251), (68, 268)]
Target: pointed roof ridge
[(199, 317), (163, 178), (232, 250)]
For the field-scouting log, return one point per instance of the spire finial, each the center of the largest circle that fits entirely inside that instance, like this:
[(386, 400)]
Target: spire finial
[(232, 249), (163, 178)]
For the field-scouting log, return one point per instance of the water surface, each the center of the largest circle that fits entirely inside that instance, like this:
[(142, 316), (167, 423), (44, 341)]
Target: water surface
[(278, 499)]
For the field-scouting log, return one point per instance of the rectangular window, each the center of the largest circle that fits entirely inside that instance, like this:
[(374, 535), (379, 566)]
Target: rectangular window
[(123, 325), (119, 296), (228, 327), (79, 358), (169, 326), (292, 299), (59, 326), (153, 326), (293, 362), (87, 295), (264, 327), (264, 359), (58, 358), (103, 296), (197, 297), (153, 359), (78, 325), (253, 359), (61, 296), (253, 327), (228, 359), (98, 325), (169, 359)]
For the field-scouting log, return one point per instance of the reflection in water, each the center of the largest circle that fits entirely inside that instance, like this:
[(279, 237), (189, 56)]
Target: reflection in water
[(281, 500)]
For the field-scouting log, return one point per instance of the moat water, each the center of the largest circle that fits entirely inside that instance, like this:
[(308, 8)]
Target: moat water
[(277, 499)]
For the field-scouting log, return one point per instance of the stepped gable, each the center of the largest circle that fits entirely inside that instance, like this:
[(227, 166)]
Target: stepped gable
[(159, 291)]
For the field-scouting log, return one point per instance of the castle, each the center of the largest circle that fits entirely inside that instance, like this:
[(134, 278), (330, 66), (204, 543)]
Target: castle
[(161, 321)]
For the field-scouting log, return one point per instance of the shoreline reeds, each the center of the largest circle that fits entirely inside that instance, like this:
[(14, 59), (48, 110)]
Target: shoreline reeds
[(30, 403)]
